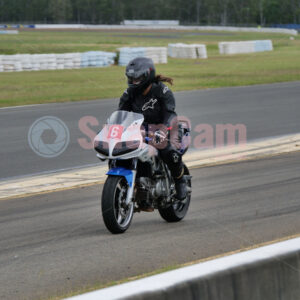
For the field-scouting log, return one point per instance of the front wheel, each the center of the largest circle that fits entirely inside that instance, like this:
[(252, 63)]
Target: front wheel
[(177, 211), (116, 214)]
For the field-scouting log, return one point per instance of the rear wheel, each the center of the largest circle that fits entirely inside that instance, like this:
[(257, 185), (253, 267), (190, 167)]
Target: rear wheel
[(116, 214), (177, 211)]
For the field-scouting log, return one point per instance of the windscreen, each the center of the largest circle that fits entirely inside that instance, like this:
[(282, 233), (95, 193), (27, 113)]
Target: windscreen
[(124, 118)]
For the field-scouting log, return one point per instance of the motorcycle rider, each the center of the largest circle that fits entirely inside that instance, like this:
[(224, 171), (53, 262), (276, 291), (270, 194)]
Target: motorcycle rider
[(146, 94)]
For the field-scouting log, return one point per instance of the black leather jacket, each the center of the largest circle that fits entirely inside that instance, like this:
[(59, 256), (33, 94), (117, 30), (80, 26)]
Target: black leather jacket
[(158, 106)]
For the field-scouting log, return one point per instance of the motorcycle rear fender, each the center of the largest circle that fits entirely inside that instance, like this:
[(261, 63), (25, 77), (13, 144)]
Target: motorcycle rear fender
[(119, 171)]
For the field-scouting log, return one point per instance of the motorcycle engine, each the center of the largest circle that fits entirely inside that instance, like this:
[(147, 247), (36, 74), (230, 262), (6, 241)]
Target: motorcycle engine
[(156, 189)]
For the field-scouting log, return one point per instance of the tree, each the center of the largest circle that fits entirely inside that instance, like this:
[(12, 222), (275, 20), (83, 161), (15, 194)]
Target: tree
[(212, 12), (60, 10), (198, 6), (261, 12)]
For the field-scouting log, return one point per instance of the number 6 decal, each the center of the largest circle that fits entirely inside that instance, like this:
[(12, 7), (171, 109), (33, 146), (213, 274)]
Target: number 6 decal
[(115, 132)]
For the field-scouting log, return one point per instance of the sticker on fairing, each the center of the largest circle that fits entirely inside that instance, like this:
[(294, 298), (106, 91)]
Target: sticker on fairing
[(115, 131)]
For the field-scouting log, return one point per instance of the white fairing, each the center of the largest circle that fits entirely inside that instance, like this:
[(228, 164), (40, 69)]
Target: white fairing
[(124, 126)]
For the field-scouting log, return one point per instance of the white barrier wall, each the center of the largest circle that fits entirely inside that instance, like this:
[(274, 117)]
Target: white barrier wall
[(152, 22), (266, 273), (157, 54), (60, 26), (199, 28), (180, 50), (245, 47), (9, 32), (37, 62)]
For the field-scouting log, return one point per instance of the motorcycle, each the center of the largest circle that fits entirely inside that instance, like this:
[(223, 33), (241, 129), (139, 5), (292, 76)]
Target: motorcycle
[(138, 179)]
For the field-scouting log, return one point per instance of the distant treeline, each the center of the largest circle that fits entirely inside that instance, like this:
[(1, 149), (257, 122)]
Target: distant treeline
[(202, 12)]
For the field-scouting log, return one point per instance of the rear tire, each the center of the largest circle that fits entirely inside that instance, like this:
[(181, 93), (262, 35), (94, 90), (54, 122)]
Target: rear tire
[(177, 211), (116, 216)]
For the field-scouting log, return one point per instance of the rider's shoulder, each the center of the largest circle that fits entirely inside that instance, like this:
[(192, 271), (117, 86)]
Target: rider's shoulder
[(161, 88), (127, 94)]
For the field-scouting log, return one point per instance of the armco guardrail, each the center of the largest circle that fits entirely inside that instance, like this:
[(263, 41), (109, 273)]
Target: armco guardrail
[(245, 47), (180, 50), (267, 273)]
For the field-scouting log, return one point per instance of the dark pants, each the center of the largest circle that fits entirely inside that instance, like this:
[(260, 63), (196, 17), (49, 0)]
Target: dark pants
[(173, 159)]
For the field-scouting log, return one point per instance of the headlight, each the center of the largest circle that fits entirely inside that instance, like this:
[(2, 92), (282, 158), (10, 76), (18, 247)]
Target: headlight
[(102, 147), (125, 147)]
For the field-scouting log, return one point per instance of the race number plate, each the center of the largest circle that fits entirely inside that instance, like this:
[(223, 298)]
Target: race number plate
[(115, 131)]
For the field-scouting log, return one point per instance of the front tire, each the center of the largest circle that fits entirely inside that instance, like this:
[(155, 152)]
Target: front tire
[(177, 211), (116, 215)]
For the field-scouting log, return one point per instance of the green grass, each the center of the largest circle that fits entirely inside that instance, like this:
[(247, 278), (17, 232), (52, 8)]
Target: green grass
[(74, 41), (283, 64)]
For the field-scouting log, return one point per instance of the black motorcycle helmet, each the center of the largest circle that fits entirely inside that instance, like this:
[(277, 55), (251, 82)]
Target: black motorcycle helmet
[(140, 73)]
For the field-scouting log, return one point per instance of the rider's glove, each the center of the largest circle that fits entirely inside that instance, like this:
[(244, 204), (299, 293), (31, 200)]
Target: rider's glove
[(159, 136)]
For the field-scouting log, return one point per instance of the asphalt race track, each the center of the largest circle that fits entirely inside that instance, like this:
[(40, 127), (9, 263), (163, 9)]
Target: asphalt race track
[(265, 110), (53, 243)]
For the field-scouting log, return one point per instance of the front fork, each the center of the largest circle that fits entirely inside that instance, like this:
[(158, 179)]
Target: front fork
[(128, 174), (130, 191)]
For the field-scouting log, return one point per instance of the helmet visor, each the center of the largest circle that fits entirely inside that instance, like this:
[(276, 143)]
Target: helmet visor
[(130, 72), (135, 80)]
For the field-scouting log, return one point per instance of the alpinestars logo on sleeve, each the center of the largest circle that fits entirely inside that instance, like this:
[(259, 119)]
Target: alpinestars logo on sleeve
[(149, 104)]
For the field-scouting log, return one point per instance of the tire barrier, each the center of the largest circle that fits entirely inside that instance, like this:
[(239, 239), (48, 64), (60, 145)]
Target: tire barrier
[(158, 54), (97, 59), (245, 47), (180, 50), (37, 62), (266, 273)]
